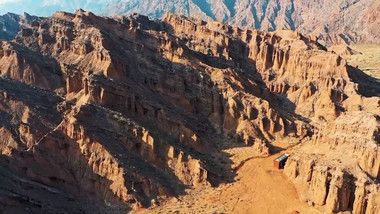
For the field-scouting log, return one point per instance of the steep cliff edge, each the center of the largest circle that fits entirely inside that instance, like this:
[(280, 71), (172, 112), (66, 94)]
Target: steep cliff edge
[(126, 112)]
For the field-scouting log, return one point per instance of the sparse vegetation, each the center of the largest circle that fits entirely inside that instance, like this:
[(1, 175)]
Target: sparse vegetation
[(369, 60)]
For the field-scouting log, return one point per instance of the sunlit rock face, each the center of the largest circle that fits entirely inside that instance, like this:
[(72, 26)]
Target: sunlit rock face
[(115, 114)]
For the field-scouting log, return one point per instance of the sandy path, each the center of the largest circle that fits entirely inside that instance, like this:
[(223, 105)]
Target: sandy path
[(259, 189)]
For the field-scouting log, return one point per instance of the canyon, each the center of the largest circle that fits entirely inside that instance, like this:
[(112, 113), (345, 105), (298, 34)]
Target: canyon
[(125, 114)]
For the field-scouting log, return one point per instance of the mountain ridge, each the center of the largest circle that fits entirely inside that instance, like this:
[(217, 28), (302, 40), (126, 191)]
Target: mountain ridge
[(333, 21), (309, 17)]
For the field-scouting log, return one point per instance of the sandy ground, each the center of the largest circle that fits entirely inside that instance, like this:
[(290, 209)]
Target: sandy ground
[(259, 188), (369, 60)]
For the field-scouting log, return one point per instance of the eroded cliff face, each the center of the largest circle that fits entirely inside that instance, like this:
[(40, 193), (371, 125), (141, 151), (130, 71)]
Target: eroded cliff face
[(125, 112), (334, 187)]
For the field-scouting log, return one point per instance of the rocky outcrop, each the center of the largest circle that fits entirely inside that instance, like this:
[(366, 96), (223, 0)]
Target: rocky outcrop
[(335, 189), (29, 67), (343, 50), (126, 112)]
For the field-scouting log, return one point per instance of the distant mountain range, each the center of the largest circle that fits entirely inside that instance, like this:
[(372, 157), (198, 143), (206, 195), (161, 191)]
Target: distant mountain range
[(355, 20), (48, 7), (11, 24), (334, 20)]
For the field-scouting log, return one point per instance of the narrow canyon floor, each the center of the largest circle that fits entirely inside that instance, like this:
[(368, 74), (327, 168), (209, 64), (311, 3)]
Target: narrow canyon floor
[(258, 188)]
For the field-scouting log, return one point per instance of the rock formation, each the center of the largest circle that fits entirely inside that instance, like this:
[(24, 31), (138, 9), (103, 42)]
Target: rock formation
[(343, 50), (118, 114)]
